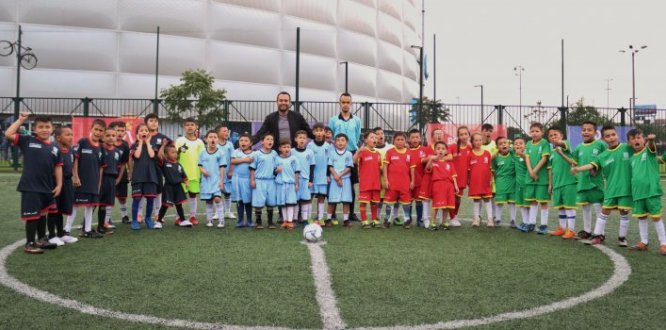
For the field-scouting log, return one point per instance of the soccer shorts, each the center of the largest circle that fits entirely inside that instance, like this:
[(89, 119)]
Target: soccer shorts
[(520, 195), (107, 193), (121, 189), (393, 196), (34, 204), (285, 194), (173, 194), (619, 203), (208, 196), (353, 175), (193, 186), (83, 199), (425, 191), (536, 193), (415, 193), (65, 201), (368, 196), (338, 194), (644, 207), (144, 189), (509, 197), (264, 193), (160, 182), (240, 190), (443, 195), (461, 192), (590, 196), (303, 193), (565, 197)]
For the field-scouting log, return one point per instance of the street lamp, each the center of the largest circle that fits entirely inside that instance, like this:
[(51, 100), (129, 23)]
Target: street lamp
[(608, 89), (420, 115), (346, 63), (518, 71), (483, 117), (633, 52)]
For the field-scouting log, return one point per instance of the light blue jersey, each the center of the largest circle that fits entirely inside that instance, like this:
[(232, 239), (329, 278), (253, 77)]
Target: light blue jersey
[(228, 149), (263, 164), (241, 170), (240, 181), (211, 162), (340, 161), (320, 153), (305, 159), (289, 169)]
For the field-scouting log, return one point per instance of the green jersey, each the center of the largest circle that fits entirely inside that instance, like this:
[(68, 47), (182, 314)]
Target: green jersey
[(614, 165), (560, 168), (521, 170), (645, 174), (505, 173), (584, 154), (188, 156), (534, 152)]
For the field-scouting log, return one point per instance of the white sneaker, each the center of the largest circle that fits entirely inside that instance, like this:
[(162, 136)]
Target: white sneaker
[(426, 223), (185, 223), (157, 225), (215, 217), (69, 239), (209, 224), (230, 215), (220, 224), (455, 222), (57, 241)]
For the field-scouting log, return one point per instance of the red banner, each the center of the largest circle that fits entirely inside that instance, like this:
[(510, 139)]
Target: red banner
[(81, 126), (451, 131)]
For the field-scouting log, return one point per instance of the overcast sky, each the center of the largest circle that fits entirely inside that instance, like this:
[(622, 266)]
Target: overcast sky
[(481, 41)]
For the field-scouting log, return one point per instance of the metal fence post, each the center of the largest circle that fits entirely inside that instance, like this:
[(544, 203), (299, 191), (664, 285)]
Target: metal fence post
[(500, 115), (86, 106), (156, 106), (226, 111), (15, 150), (623, 119), (563, 120), (366, 115)]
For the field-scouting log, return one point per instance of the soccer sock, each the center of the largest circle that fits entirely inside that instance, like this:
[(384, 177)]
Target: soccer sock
[(498, 212), (427, 206), (193, 206), (219, 207), (248, 213), (363, 208), (109, 210), (123, 207), (87, 218), (597, 208), (180, 211), (571, 219), (600, 226), (407, 210), (306, 211), (624, 225), (240, 206), (512, 212), (643, 230), (142, 203), (150, 209), (290, 212), (393, 212), (489, 209), (533, 214), (419, 211), (227, 203), (30, 231), (50, 222), (155, 206), (587, 218), (136, 207), (544, 216), (477, 209), (661, 233), (58, 224), (387, 210), (283, 211), (456, 209), (209, 211), (269, 212), (320, 210), (563, 218), (374, 210), (70, 220), (257, 215), (525, 215), (41, 227), (345, 216), (163, 211), (101, 215)]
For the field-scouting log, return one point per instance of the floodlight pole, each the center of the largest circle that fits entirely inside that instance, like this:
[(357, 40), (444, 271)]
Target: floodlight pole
[(17, 99), (297, 104), (156, 100)]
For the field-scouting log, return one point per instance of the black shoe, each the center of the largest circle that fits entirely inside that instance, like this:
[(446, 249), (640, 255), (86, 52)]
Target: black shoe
[(126, 220), (91, 234), (102, 231), (32, 248), (354, 217), (44, 244)]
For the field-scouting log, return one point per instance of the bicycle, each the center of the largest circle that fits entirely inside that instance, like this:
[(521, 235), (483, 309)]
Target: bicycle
[(25, 55)]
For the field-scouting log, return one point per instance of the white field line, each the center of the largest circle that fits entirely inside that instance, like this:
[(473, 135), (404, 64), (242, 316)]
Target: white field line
[(330, 314)]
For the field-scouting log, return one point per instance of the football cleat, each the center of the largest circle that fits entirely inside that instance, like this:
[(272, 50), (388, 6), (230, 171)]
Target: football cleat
[(640, 246), (559, 232)]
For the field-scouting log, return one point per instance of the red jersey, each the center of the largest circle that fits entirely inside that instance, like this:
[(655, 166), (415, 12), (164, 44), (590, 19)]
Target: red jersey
[(461, 162), (369, 167), (398, 166), (479, 173), (418, 154), (443, 170)]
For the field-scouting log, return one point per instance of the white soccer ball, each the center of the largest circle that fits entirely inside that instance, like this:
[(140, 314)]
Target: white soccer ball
[(312, 232)]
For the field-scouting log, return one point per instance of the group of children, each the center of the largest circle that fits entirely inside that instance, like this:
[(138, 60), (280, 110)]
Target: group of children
[(527, 175)]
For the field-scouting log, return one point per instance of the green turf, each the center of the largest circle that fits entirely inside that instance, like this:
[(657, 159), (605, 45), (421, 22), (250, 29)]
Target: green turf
[(380, 277)]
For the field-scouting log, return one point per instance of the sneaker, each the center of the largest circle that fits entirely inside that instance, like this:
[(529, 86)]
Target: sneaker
[(334, 222), (455, 222), (271, 226), (91, 234), (157, 225), (490, 223), (543, 230), (57, 241), (136, 225), (476, 222), (178, 221), (220, 224), (445, 225), (512, 224), (68, 239), (596, 240), (230, 215), (408, 224), (348, 224), (498, 223), (126, 220), (386, 225), (193, 221), (290, 226), (240, 225), (284, 225), (375, 223), (522, 227), (622, 242), (354, 217), (559, 232), (640, 246), (328, 223), (259, 226), (583, 235), (531, 228), (365, 224), (44, 244), (397, 222), (215, 217), (185, 223), (32, 248), (110, 225), (433, 226), (569, 234), (209, 223), (104, 231), (662, 249)]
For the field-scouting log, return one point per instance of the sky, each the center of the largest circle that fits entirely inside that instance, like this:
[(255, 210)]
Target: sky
[(481, 41)]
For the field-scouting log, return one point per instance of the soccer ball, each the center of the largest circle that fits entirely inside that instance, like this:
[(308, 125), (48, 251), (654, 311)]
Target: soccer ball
[(312, 232)]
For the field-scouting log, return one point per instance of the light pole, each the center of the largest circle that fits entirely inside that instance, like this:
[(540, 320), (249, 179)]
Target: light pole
[(420, 114), (346, 63), (608, 89), (518, 71), (483, 117), (633, 52)]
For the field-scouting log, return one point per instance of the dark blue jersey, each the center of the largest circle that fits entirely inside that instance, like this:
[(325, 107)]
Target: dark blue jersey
[(67, 162), (91, 159), (156, 142), (124, 149), (145, 169), (40, 159), (112, 160), (173, 172)]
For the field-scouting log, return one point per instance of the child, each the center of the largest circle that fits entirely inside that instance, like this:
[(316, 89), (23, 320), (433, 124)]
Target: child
[(306, 163), (537, 153), (399, 170), (426, 181), (287, 183), (40, 181), (65, 200), (563, 185), (241, 192), (340, 164), (212, 164), (590, 186), (368, 161), (444, 184), (504, 175), (227, 148), (521, 180), (382, 146), (174, 177), (328, 134), (123, 178), (479, 181), (107, 192), (158, 139), (189, 148), (144, 176), (87, 176), (320, 148), (616, 169), (418, 152), (460, 151), (262, 181), (646, 188)]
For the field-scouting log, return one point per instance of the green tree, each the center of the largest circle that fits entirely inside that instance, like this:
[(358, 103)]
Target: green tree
[(433, 112), (582, 112), (514, 132), (196, 97)]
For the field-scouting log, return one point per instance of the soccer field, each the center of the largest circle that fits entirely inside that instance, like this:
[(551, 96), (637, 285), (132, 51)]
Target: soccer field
[(239, 278)]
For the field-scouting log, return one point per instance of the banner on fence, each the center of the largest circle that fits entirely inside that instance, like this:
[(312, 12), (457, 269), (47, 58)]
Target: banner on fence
[(451, 131), (574, 134), (81, 126)]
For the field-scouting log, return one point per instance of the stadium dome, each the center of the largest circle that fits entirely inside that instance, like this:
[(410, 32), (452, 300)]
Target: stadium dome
[(106, 48)]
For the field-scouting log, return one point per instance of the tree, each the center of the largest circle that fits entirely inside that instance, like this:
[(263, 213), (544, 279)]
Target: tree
[(433, 112), (195, 94), (582, 112), (514, 132)]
